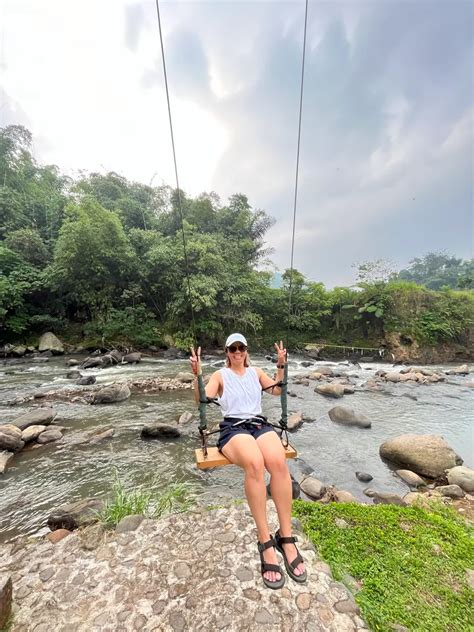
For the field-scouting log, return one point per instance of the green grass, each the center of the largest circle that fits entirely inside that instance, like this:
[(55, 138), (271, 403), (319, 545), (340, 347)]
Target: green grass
[(410, 561), (123, 502)]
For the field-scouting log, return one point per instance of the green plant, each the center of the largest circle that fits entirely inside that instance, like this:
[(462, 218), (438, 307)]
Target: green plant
[(411, 562), (177, 497)]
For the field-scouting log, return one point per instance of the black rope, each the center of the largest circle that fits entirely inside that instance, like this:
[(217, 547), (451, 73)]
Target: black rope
[(290, 289), (180, 207)]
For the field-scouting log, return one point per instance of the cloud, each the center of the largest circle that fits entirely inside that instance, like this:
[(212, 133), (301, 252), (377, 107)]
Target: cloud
[(386, 149)]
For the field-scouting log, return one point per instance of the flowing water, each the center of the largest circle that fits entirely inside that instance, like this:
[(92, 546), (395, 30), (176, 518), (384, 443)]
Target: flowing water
[(40, 480)]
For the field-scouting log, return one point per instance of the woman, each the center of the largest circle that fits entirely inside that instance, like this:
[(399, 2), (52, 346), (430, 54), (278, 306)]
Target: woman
[(248, 441)]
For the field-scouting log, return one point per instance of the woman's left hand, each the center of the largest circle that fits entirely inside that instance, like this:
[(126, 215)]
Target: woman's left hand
[(281, 351)]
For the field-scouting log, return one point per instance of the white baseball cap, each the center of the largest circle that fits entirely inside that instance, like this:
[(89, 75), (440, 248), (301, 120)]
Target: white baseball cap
[(235, 338)]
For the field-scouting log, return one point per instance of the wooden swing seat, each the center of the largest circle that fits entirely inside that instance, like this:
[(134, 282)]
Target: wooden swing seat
[(215, 458)]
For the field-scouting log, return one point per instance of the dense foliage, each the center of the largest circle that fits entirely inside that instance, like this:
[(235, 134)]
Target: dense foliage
[(107, 261), (407, 565)]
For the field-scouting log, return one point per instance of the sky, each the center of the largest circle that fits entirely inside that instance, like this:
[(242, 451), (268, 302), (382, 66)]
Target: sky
[(386, 159)]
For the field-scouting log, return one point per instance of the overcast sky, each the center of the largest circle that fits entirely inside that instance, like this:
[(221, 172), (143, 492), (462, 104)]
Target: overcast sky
[(386, 165)]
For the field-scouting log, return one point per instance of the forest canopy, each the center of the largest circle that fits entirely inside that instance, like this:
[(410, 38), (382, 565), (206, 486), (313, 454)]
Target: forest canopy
[(101, 258)]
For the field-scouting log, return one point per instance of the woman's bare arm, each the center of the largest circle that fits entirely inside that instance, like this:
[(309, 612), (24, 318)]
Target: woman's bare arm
[(266, 380)]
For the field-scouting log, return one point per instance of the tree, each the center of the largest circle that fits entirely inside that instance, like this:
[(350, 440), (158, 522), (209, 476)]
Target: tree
[(91, 259), (27, 243), (437, 269)]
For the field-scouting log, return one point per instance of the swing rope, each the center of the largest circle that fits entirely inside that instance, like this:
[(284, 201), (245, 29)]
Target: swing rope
[(178, 190), (203, 399)]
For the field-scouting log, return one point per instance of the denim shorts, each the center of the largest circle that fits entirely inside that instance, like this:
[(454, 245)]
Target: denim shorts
[(231, 426)]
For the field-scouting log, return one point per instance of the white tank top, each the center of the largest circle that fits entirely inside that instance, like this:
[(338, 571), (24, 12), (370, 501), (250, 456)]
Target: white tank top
[(242, 394)]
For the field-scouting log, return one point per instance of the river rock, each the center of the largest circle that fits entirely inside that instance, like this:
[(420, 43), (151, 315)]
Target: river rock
[(72, 362), (325, 370), (348, 417), (115, 355), (299, 469), (86, 380), (410, 478), (49, 435), (32, 432), (364, 477), (451, 491), (111, 394), (74, 515), (185, 377), (129, 523), (330, 390), (49, 342), (387, 498), (460, 370), (295, 421), (312, 487), (427, 455), (462, 476), (73, 375), (19, 351), (39, 416), (343, 496), (5, 600), (5, 458), (56, 536), (160, 430), (10, 438), (186, 418), (132, 358), (92, 363), (101, 434)]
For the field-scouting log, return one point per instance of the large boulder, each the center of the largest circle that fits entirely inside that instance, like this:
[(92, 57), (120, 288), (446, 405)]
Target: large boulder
[(427, 455), (39, 416), (462, 476), (10, 438), (330, 390), (49, 342), (111, 394), (74, 515), (349, 417)]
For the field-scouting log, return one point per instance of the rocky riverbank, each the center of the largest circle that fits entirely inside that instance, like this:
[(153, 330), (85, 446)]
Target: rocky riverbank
[(193, 571)]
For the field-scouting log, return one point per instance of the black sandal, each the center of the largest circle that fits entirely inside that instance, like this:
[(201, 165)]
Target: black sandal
[(298, 559), (279, 583)]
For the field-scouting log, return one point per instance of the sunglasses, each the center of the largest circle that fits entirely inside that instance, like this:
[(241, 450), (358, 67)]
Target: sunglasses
[(235, 348)]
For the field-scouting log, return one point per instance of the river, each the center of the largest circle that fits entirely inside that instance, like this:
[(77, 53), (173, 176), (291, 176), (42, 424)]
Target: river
[(40, 480)]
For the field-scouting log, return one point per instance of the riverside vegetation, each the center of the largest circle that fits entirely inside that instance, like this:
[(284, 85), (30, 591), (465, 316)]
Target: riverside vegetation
[(99, 260)]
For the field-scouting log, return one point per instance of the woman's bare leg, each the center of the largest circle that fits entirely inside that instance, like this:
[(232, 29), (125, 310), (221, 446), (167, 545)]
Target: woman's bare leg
[(243, 450), (280, 486)]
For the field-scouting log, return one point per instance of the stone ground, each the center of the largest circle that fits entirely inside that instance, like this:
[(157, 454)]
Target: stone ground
[(193, 571)]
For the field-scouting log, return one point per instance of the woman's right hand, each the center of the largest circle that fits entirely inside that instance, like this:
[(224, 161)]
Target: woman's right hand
[(195, 361)]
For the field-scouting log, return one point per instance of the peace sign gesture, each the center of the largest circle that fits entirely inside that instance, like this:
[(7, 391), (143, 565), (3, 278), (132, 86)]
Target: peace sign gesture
[(195, 361), (281, 351)]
